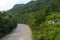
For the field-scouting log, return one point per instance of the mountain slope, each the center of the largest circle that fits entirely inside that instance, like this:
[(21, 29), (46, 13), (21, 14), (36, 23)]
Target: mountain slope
[(15, 7), (43, 16), (31, 6)]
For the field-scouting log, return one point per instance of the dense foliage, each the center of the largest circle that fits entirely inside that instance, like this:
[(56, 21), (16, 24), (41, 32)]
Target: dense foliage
[(7, 23)]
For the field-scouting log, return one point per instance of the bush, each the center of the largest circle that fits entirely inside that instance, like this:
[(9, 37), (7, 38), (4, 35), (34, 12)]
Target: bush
[(7, 24)]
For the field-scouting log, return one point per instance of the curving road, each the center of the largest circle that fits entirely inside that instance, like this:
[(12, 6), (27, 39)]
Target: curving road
[(22, 32)]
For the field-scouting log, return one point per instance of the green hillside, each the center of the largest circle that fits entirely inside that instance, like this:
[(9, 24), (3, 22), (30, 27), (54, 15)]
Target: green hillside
[(31, 6), (43, 17)]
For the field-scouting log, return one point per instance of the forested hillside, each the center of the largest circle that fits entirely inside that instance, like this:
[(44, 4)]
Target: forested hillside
[(15, 7), (43, 16), (32, 6)]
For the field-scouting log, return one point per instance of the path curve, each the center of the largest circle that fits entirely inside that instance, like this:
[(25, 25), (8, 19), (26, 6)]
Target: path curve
[(22, 32)]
